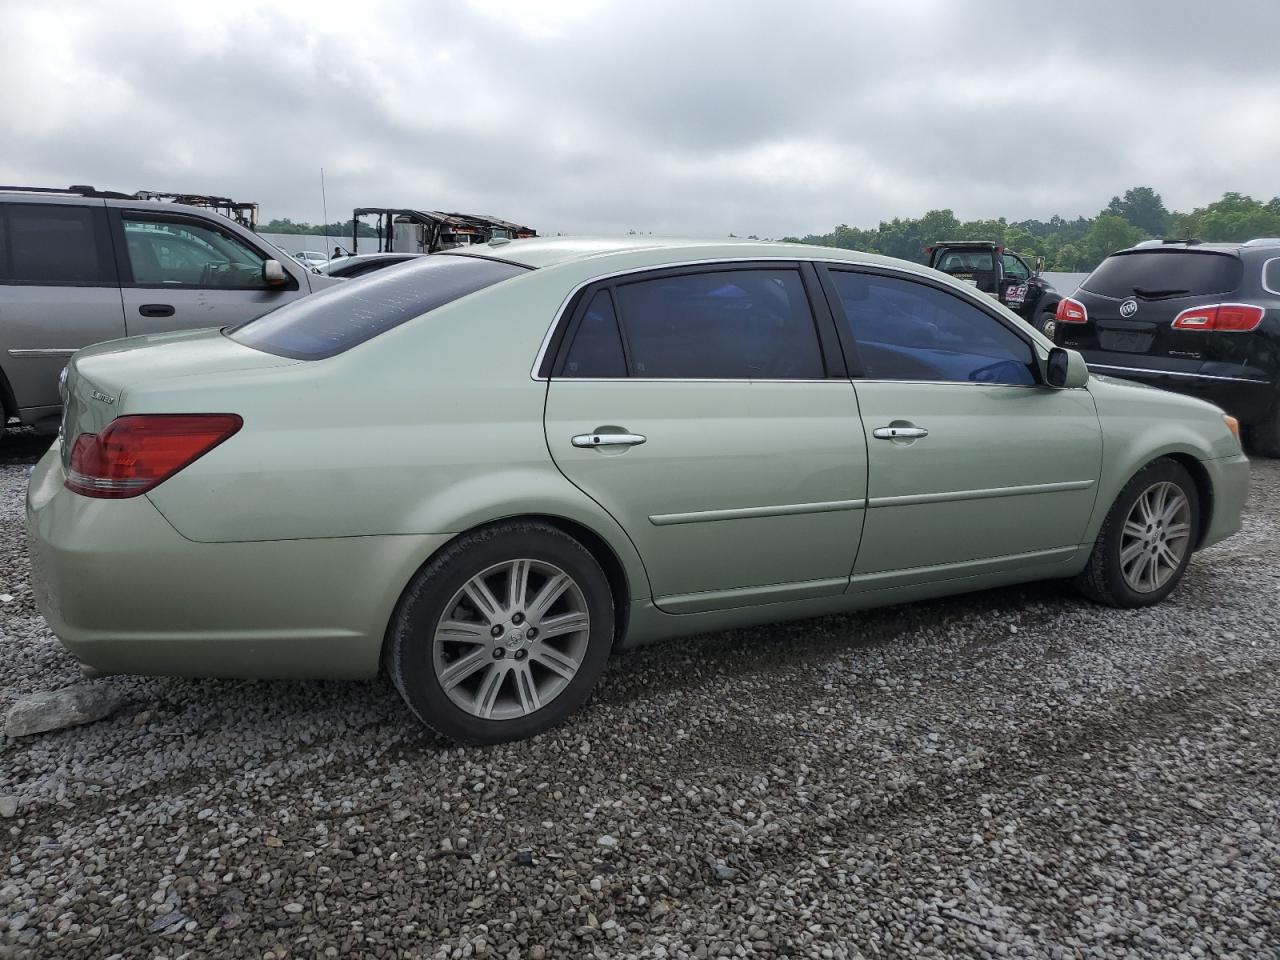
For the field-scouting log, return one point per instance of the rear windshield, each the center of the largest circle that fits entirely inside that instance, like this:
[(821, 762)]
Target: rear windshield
[(328, 323), (965, 261), (1161, 274)]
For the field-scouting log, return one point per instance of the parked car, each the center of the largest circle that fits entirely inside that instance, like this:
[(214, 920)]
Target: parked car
[(999, 273), (365, 263), (311, 258), (79, 266), (488, 469), (1197, 318)]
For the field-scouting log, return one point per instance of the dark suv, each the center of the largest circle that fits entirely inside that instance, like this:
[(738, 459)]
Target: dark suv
[(1198, 318)]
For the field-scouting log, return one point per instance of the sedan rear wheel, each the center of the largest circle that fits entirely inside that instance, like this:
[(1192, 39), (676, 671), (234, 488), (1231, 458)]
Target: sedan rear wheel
[(503, 634), (511, 639), (1146, 541)]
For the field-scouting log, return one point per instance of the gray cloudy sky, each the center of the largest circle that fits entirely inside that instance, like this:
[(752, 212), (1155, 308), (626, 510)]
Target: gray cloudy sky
[(689, 117)]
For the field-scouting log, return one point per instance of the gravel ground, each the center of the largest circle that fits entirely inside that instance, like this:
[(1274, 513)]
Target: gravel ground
[(1011, 774)]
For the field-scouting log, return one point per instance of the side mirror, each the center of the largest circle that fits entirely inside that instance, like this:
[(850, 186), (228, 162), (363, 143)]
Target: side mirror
[(1066, 368), (273, 274)]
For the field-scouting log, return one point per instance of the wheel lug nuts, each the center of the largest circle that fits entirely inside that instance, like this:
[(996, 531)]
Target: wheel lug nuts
[(532, 633), (518, 619), (498, 653), (519, 654), (495, 630)]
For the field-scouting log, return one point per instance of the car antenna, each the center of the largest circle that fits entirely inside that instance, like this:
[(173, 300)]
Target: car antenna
[(324, 210)]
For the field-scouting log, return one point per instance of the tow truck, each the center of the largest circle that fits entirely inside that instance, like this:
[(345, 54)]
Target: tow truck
[(999, 273)]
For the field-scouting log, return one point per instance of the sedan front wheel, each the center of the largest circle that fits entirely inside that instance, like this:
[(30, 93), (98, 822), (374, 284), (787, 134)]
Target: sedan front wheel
[(503, 634), (1146, 541)]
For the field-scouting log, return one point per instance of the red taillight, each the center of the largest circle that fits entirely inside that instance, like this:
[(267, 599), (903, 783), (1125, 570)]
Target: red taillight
[(1220, 317), (134, 454), (1071, 311)]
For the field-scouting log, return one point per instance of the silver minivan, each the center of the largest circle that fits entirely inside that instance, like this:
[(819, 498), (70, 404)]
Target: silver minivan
[(80, 266)]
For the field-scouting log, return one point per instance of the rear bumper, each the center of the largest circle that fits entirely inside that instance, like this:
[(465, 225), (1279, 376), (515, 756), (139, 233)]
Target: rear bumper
[(126, 593), (1229, 480), (1244, 397)]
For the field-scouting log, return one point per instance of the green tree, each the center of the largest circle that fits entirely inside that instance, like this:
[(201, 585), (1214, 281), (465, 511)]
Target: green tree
[(1141, 207), (1108, 234)]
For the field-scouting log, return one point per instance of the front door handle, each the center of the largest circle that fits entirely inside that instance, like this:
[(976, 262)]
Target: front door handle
[(608, 440), (899, 433), (156, 310)]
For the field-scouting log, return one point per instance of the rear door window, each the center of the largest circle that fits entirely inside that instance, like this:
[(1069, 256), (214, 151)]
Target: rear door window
[(328, 323), (1165, 274), (57, 244), (906, 330), (751, 324)]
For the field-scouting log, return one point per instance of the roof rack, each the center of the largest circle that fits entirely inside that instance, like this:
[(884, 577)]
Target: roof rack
[(75, 190), (245, 214)]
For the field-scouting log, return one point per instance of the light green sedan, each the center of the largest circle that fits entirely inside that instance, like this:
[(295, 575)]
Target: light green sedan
[(486, 470)]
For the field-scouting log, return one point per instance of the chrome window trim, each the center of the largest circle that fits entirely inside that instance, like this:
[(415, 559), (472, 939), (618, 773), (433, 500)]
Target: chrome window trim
[(853, 264), (1265, 264), (1174, 373)]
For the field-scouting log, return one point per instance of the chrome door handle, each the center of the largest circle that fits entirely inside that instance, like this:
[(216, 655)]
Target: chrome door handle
[(899, 433), (608, 440)]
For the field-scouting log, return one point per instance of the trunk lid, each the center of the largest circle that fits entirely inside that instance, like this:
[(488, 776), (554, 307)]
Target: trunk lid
[(98, 378)]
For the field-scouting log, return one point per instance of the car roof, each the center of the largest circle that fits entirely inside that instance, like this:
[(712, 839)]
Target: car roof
[(1194, 246), (553, 251)]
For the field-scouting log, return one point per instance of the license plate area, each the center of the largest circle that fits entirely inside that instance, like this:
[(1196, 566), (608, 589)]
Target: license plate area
[(1131, 339)]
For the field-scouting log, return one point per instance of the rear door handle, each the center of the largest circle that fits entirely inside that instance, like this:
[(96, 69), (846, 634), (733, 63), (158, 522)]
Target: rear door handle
[(899, 433), (156, 310), (608, 440)]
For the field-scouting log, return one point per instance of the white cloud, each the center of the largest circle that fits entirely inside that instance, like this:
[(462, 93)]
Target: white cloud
[(684, 117)]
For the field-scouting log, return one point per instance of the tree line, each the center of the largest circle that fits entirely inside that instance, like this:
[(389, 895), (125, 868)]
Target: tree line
[(1067, 245), (339, 228)]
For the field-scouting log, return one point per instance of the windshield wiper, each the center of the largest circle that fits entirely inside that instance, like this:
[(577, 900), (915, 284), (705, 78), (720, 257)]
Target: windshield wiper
[(1146, 294)]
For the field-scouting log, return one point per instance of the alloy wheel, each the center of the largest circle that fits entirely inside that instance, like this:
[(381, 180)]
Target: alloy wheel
[(1156, 536), (511, 639)]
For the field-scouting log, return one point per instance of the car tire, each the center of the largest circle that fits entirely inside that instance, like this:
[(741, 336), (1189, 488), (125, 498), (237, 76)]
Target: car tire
[(1125, 539), (1043, 318), (1264, 434), (471, 660)]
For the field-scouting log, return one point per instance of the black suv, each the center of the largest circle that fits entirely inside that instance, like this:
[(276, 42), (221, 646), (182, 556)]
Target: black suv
[(1198, 318)]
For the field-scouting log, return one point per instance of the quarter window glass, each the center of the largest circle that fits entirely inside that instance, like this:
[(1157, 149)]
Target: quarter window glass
[(56, 244), (909, 331), (1014, 269), (176, 253), (727, 325), (597, 346)]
